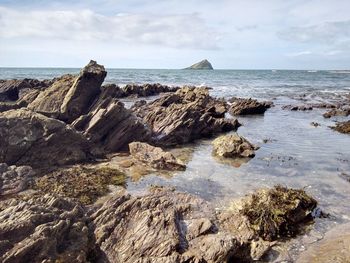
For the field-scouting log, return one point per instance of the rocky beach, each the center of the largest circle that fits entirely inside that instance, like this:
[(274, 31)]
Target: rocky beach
[(92, 170)]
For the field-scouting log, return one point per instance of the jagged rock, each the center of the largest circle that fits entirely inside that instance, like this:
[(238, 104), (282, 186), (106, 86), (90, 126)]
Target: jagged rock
[(154, 156), (233, 145), (33, 139), (297, 107), (14, 179), (188, 114), (242, 106), (344, 111), (343, 127), (71, 96), (146, 89), (163, 226), (44, 229), (111, 126), (14, 89), (204, 64)]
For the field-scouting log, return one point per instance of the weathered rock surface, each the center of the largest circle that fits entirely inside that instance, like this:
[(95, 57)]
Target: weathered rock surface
[(249, 106), (71, 96), (14, 89), (146, 89), (163, 226), (343, 111), (33, 139), (154, 156), (343, 127), (297, 107), (188, 114), (111, 126), (204, 64), (45, 229), (14, 179), (233, 145)]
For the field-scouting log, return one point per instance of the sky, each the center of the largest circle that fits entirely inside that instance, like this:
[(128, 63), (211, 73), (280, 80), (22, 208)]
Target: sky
[(231, 34)]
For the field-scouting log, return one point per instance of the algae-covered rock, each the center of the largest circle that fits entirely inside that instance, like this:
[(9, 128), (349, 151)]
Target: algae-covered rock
[(343, 127), (83, 183), (277, 212), (233, 145)]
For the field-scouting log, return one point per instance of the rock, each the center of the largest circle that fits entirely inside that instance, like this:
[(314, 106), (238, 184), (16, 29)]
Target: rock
[(71, 96), (83, 91), (14, 179), (14, 89), (204, 64), (297, 107), (44, 229), (85, 184), (337, 112), (343, 127), (29, 138), (188, 114), (249, 106), (233, 145), (146, 89), (154, 156), (315, 124), (111, 126), (163, 226)]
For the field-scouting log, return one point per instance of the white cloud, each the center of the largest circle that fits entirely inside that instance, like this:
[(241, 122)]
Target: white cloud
[(178, 31), (300, 53)]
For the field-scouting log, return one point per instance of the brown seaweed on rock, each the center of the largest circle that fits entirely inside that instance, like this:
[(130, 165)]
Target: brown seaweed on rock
[(277, 212), (83, 183), (343, 127)]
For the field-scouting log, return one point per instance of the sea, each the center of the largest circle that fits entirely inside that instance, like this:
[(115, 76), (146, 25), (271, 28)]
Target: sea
[(292, 152)]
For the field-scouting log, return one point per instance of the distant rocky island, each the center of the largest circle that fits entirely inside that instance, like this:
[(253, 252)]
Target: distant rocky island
[(204, 64)]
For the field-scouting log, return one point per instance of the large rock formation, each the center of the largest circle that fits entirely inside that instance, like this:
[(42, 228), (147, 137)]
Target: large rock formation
[(111, 126), (155, 157), (71, 96), (204, 64), (14, 179), (343, 127), (188, 114), (233, 145), (242, 106), (14, 89), (33, 139), (44, 229)]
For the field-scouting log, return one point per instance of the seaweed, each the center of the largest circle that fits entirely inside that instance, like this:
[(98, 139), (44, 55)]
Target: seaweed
[(83, 183), (277, 212)]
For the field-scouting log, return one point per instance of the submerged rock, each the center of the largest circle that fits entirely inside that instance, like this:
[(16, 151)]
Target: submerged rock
[(204, 64), (233, 145), (14, 179), (29, 138), (44, 229), (188, 114), (297, 107), (249, 106), (155, 156), (85, 184), (343, 127)]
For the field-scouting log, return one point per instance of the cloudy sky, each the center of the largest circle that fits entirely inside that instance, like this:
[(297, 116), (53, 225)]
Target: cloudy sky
[(232, 34)]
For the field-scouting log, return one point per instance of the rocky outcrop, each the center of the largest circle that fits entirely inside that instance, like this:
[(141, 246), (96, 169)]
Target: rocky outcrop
[(44, 229), (343, 127), (240, 106), (71, 96), (14, 89), (155, 157), (186, 115), (297, 107), (33, 139), (233, 145), (14, 179), (146, 90), (163, 226), (111, 126), (204, 64), (342, 111)]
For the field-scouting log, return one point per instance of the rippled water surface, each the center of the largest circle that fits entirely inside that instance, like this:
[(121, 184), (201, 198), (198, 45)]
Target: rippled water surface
[(296, 153)]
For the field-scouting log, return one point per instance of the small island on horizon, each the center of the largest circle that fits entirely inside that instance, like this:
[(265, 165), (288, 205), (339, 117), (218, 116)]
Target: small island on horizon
[(204, 64)]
